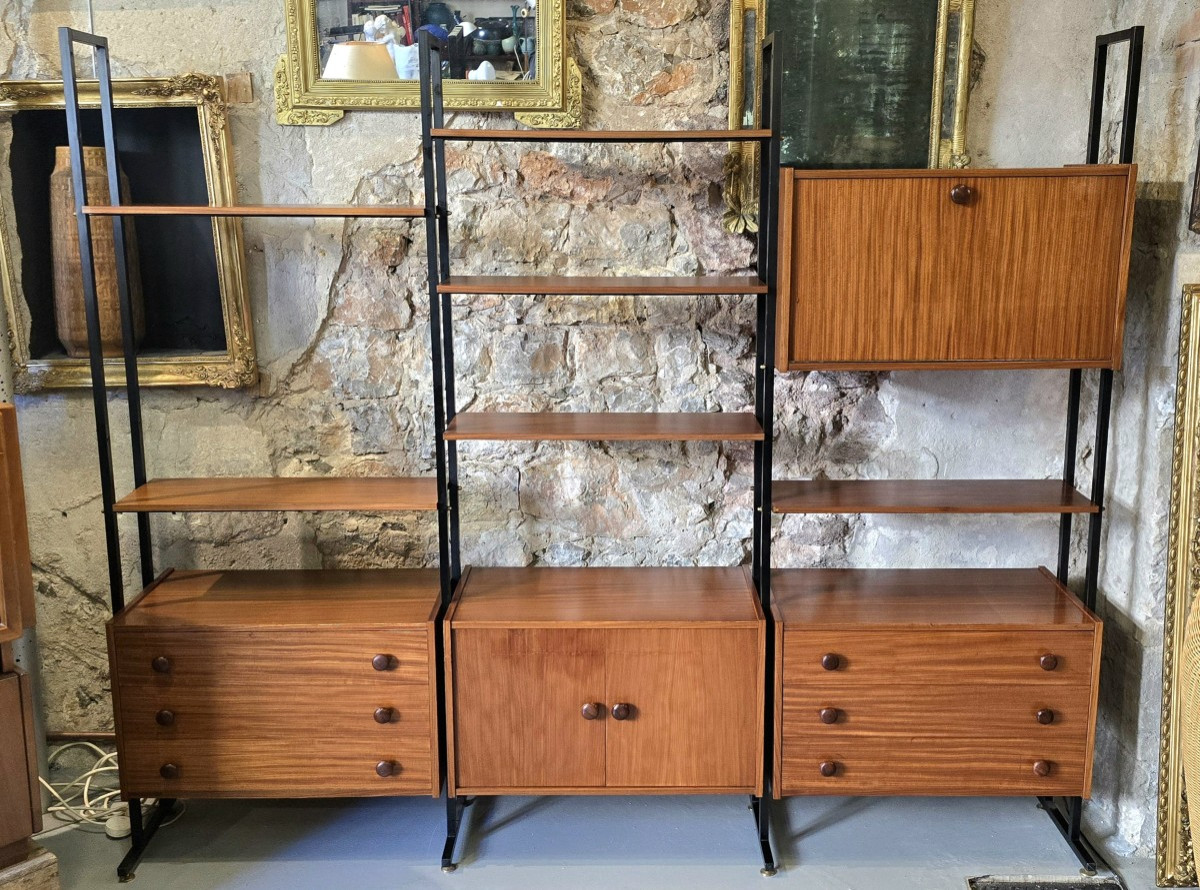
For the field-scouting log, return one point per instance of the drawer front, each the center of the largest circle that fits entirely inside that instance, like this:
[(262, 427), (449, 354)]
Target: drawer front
[(287, 765), (277, 660), (917, 764), (974, 659)]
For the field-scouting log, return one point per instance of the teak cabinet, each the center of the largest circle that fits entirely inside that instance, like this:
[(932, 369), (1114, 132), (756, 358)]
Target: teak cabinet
[(886, 269), (560, 681)]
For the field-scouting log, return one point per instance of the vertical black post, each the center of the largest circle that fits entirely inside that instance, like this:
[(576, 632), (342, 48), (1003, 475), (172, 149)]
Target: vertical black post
[(1070, 459), (1100, 460), (1133, 76)]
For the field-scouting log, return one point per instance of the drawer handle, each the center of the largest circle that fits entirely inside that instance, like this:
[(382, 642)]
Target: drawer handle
[(385, 715), (1048, 662), (962, 194), (831, 662), (622, 711), (592, 710), (386, 768), (385, 662), (1041, 768), (829, 715), (164, 717), (161, 665), (169, 771), (1045, 716), (829, 768)]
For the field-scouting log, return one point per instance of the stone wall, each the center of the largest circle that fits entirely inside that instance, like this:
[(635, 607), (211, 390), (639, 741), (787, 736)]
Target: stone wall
[(340, 317)]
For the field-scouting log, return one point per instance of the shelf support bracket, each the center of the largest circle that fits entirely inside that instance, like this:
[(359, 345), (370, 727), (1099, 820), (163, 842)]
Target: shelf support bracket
[(142, 834)]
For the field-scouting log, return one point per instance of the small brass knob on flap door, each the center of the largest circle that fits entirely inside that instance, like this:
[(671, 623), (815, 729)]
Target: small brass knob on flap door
[(828, 768), (161, 665), (829, 715), (1048, 662), (385, 662), (164, 717), (962, 194), (385, 715), (1041, 768), (831, 662), (1045, 716), (622, 711), (386, 768), (169, 771), (592, 710)]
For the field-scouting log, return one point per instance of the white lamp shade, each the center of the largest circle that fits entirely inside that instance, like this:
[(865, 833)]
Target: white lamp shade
[(359, 60)]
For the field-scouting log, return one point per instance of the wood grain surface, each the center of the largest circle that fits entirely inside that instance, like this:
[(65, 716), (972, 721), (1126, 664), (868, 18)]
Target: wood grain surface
[(927, 496), (16, 572), (881, 269), (616, 426), (235, 494)]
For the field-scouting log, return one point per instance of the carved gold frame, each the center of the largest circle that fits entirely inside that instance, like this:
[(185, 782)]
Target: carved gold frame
[(741, 165), (235, 367), (1175, 863), (303, 98)]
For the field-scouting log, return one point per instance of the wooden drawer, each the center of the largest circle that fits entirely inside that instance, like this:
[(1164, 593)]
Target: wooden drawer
[(288, 764), (883, 269)]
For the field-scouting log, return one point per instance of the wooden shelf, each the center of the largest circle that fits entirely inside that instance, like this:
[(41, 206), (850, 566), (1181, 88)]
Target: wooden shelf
[(924, 598), (604, 426), (543, 596), (464, 135), (928, 496), (286, 598), (602, 285), (377, 211), (234, 494)]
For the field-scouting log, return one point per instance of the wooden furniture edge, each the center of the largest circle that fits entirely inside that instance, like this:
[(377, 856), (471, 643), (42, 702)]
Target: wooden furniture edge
[(777, 716), (145, 591), (603, 790), (448, 683), (1121, 296), (435, 760), (1089, 754), (785, 218), (961, 173), (17, 525)]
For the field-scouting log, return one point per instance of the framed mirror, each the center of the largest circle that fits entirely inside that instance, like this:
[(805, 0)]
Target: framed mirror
[(175, 149), (362, 54), (892, 90)]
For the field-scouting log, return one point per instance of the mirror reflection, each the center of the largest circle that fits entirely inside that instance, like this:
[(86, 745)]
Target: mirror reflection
[(487, 40)]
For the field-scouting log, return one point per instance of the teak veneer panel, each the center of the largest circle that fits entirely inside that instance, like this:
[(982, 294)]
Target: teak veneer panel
[(360, 211), (603, 285), (20, 797), (464, 135), (928, 496), (880, 269), (605, 597), (16, 570), (259, 494), (604, 426)]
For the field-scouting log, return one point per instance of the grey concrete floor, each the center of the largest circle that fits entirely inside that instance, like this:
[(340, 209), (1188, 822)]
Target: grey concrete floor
[(586, 842)]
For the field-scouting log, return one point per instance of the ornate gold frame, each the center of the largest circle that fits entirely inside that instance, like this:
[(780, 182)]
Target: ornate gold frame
[(741, 165), (1175, 863), (237, 366), (303, 98)]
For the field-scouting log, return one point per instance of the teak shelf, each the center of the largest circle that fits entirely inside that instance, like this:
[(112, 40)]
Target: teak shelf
[(603, 426), (237, 494), (603, 285), (928, 496)]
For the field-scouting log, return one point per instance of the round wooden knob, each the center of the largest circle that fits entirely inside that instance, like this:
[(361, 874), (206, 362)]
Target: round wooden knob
[(169, 771), (621, 711), (1048, 662), (592, 710), (1045, 716), (831, 662), (961, 194), (164, 717), (385, 715), (161, 665), (1041, 767), (386, 768), (829, 715), (385, 662), (828, 768)]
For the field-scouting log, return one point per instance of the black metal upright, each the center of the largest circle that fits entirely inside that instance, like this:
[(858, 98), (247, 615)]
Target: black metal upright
[(1067, 814), (142, 830)]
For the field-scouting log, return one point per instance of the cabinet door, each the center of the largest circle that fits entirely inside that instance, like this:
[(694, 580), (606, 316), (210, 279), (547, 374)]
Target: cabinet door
[(20, 807), (16, 578), (695, 699), (518, 695)]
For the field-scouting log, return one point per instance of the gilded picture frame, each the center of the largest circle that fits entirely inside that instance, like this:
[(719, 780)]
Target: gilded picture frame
[(234, 367), (1175, 862), (948, 105), (303, 97)]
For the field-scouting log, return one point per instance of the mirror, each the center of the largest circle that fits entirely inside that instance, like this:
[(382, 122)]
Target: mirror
[(359, 54), (892, 89)]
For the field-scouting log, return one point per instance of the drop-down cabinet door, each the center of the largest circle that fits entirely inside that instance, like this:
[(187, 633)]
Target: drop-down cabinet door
[(684, 708)]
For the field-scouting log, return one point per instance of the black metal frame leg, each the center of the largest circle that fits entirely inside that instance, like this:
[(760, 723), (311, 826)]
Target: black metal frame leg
[(761, 807), (454, 815), (141, 835), (1067, 820)]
